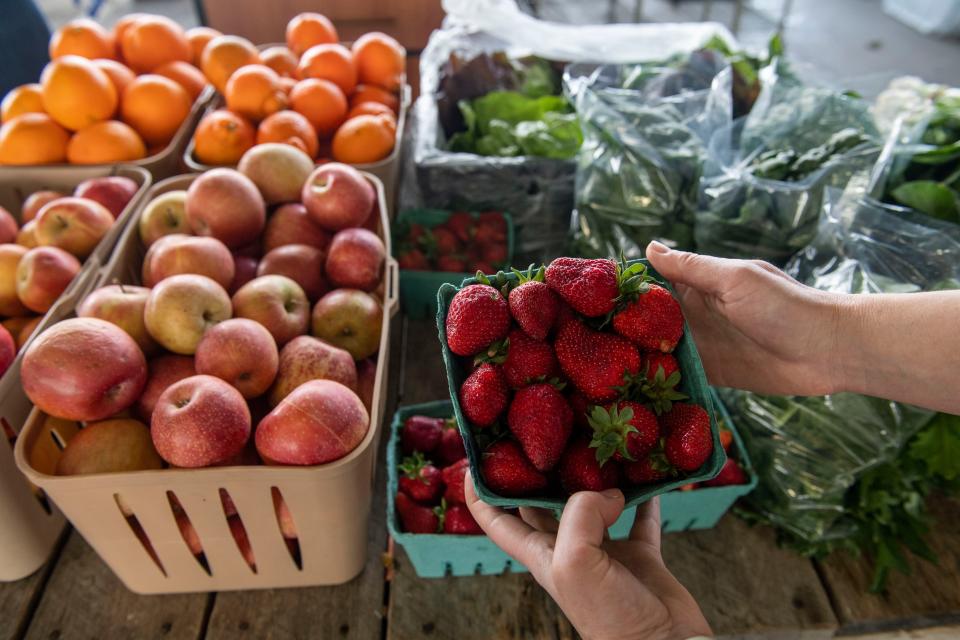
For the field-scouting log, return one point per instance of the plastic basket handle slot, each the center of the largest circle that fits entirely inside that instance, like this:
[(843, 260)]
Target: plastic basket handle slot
[(288, 529), (237, 530), (393, 284), (188, 532), (138, 531), (8, 431)]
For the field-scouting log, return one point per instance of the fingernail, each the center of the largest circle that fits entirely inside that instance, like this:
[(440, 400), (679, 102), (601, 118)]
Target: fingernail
[(657, 247), (612, 494)]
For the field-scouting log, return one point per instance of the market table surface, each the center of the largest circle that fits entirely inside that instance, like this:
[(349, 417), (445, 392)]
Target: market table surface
[(747, 586)]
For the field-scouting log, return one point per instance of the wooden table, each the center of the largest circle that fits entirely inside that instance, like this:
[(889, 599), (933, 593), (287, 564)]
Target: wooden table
[(747, 586)]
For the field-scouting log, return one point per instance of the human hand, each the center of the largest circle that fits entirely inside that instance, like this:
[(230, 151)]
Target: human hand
[(618, 589)]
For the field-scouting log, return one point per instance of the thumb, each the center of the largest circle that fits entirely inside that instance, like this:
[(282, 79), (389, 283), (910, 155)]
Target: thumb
[(586, 518), (703, 273)]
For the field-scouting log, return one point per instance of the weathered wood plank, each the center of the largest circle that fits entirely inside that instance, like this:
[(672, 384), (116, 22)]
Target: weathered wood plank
[(19, 599), (930, 633)]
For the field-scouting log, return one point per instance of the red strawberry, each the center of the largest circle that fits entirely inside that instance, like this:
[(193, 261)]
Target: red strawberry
[(581, 409), (580, 471), (731, 473), (656, 360), (445, 242), (413, 260), (415, 232), (478, 315), (490, 233), (591, 287), (661, 376), (597, 363), (495, 253), (420, 480), (484, 395), (541, 421), (726, 439), (452, 264), (649, 469), (458, 520), (453, 476), (450, 449), (494, 219), (625, 431), (653, 321), (533, 304), (689, 441), (420, 433), (528, 360), (415, 517), (460, 223), (508, 472)]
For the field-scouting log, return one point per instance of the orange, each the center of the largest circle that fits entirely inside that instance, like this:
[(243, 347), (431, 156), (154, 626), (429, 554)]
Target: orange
[(371, 109), (27, 98), (287, 84), (380, 60), (120, 26), (198, 37), (155, 107), (289, 127), (364, 139), (76, 93), (321, 102), (120, 75), (153, 41), (82, 37), (222, 137), (105, 142), (308, 30), (371, 93), (281, 60), (224, 55), (186, 75), (32, 138), (254, 91), (332, 62)]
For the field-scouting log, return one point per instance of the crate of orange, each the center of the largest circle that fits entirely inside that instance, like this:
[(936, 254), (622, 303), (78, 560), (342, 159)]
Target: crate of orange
[(131, 94), (333, 101)]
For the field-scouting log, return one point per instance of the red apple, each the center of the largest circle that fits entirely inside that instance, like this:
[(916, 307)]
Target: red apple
[(109, 446), (226, 204), (178, 254), (36, 201), (163, 371), (291, 224), (164, 215), (27, 236), (189, 533), (181, 308), (113, 192), (26, 332), (10, 256), (284, 518), (244, 270), (74, 224), (304, 359), (276, 302), (241, 352), (355, 259), (366, 380), (337, 196), (301, 263), (123, 305), (8, 227), (240, 538), (321, 421), (83, 369), (43, 274), (8, 350), (200, 421), (349, 319), (253, 250)]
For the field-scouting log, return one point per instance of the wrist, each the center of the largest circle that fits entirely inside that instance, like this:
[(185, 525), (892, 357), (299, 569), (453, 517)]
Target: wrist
[(850, 332)]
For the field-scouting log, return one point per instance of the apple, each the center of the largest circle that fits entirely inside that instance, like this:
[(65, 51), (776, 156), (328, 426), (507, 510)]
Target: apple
[(278, 170), (200, 421), (181, 308), (366, 380), (291, 224), (74, 224), (276, 302), (109, 446), (284, 518), (113, 192), (244, 270), (83, 369), (10, 256), (305, 358), (243, 542), (226, 204), (164, 215), (8, 350), (178, 254), (43, 274), (15, 324), (162, 372), (8, 227), (319, 422), (27, 236), (36, 201), (27, 331), (123, 305), (301, 263), (253, 250), (355, 259), (241, 352), (337, 196), (349, 319), (189, 533)]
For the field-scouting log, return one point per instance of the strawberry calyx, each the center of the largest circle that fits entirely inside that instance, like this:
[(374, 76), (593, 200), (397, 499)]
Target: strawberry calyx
[(658, 461), (441, 512), (496, 353), (611, 426), (490, 435), (498, 281), (660, 392), (531, 275), (413, 465)]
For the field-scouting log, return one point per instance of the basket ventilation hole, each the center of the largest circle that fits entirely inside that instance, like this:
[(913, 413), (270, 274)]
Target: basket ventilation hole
[(58, 440), (139, 532), (8, 431), (287, 527), (42, 499), (237, 530), (188, 532)]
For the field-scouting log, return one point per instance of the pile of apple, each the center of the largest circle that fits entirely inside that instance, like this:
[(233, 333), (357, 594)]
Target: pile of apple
[(41, 254)]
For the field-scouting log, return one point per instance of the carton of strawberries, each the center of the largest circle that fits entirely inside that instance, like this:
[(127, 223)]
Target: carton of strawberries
[(577, 376)]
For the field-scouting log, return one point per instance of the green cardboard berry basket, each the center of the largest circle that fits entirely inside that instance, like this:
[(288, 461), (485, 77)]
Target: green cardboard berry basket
[(438, 555), (693, 383), (418, 289)]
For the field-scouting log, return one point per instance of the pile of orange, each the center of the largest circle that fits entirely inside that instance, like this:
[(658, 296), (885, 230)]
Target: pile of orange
[(106, 96), (314, 93)]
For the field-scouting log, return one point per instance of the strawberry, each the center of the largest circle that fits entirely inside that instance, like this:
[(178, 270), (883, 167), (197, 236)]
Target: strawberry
[(581, 409), (623, 431), (453, 264), (689, 441), (478, 315), (541, 421), (495, 253), (658, 382), (420, 480), (591, 287), (480, 266), (493, 219), (490, 233), (415, 232), (413, 260), (731, 473), (445, 242), (726, 439), (415, 517), (458, 520), (649, 469), (453, 476), (580, 471), (484, 395), (653, 321), (533, 304), (654, 361), (508, 472), (420, 433), (461, 224), (527, 360), (450, 449), (597, 363)]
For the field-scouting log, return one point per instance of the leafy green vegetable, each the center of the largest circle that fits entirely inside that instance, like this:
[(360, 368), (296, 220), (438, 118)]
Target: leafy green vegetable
[(938, 446), (929, 197)]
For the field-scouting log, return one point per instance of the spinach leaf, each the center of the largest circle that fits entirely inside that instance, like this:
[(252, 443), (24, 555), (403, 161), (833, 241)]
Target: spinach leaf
[(929, 197)]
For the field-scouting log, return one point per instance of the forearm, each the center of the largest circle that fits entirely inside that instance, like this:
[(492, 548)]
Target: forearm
[(903, 347)]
